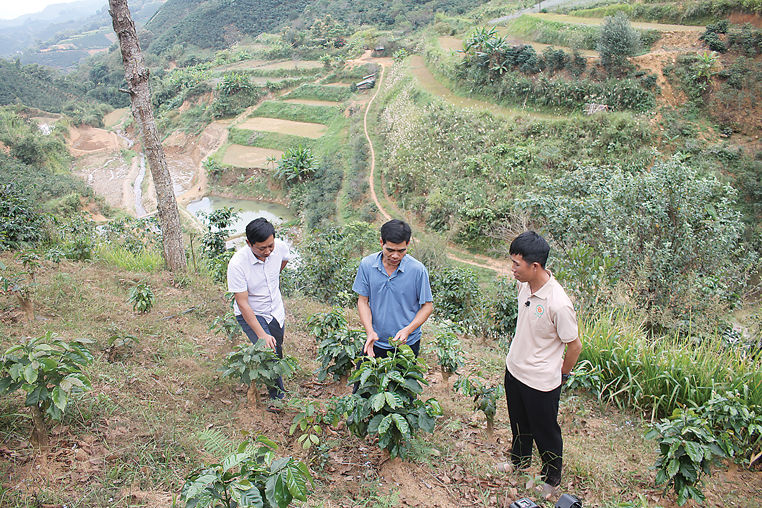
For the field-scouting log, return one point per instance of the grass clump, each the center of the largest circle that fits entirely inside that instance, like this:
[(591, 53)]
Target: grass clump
[(620, 364)]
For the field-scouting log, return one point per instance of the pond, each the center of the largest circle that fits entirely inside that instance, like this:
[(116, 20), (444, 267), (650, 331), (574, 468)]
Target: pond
[(248, 210)]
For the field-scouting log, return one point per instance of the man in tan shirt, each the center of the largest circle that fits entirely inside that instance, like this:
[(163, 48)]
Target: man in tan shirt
[(536, 366)]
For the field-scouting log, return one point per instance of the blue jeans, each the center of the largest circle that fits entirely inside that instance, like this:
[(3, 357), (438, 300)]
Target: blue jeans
[(274, 329)]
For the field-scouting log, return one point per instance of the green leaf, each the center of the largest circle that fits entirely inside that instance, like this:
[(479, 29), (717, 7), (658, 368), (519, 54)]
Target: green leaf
[(694, 450), (297, 483), (249, 496), (30, 372), (60, 399), (383, 427), (277, 492), (401, 424), (673, 467), (233, 460), (192, 490), (378, 401), (394, 400)]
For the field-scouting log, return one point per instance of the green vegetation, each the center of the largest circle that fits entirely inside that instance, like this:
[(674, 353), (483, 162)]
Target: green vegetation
[(141, 297), (49, 370), (319, 93), (386, 404), (339, 346), (296, 112), (691, 441), (616, 41), (205, 25), (683, 13), (256, 364), (252, 476), (447, 348), (486, 397)]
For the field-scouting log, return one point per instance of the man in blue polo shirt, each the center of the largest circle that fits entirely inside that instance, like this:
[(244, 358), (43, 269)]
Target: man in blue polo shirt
[(394, 293)]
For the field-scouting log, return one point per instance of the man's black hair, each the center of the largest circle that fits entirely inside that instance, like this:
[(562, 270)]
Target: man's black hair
[(396, 231), (531, 247), (259, 230)]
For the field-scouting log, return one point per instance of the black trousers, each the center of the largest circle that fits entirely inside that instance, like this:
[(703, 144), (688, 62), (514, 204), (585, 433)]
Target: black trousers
[(534, 419), (274, 329)]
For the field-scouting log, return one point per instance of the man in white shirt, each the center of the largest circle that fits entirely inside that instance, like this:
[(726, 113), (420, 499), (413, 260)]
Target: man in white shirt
[(543, 352), (254, 280)]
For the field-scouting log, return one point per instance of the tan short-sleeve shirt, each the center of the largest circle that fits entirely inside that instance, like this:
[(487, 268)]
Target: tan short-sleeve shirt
[(543, 329)]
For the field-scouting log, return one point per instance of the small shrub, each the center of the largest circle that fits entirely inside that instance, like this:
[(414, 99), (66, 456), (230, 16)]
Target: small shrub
[(142, 297), (688, 448), (485, 397), (339, 346), (256, 364), (49, 370), (447, 347), (386, 404)]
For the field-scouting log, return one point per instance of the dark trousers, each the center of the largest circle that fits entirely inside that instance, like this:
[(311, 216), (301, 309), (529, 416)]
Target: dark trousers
[(534, 418), (383, 353), (274, 329)]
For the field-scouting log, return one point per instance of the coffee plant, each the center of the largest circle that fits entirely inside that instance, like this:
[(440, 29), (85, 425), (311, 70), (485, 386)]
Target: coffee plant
[(339, 345), (256, 364), (252, 476), (687, 450), (141, 297), (486, 397), (307, 422), (49, 370), (449, 352), (386, 404)]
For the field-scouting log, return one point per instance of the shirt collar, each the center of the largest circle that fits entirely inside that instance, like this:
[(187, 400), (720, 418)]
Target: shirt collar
[(544, 291), (379, 262), (254, 259)]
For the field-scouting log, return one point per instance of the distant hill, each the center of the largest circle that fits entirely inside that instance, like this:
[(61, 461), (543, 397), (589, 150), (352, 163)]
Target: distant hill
[(217, 25), (69, 32), (386, 14), (32, 86)]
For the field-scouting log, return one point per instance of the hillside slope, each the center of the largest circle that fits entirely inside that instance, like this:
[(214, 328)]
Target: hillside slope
[(217, 24)]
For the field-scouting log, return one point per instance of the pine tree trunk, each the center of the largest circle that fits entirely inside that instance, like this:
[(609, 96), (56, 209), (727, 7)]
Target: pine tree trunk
[(136, 74)]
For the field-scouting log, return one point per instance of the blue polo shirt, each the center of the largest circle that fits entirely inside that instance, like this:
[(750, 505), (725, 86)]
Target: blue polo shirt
[(394, 299)]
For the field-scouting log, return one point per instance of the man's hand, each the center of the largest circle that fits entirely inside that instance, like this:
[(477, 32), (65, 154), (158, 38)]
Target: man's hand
[(369, 342), (401, 337), (270, 341)]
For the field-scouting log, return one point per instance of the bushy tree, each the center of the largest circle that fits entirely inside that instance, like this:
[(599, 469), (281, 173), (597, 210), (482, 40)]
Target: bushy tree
[(676, 234), (617, 40)]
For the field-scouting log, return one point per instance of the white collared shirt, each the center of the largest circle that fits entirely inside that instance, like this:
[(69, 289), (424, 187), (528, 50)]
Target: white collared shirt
[(260, 279)]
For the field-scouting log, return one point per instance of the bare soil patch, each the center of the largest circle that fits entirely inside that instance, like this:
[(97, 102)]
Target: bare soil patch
[(87, 139), (115, 117), (249, 156), (304, 129)]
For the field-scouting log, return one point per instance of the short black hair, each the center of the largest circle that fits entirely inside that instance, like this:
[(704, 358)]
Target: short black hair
[(396, 231), (259, 230), (531, 247)]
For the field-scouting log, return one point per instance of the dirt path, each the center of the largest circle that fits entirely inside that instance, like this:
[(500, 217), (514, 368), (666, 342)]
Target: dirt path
[(488, 263), (372, 178)]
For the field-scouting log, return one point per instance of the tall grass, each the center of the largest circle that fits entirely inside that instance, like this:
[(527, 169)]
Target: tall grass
[(147, 260), (621, 365)]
